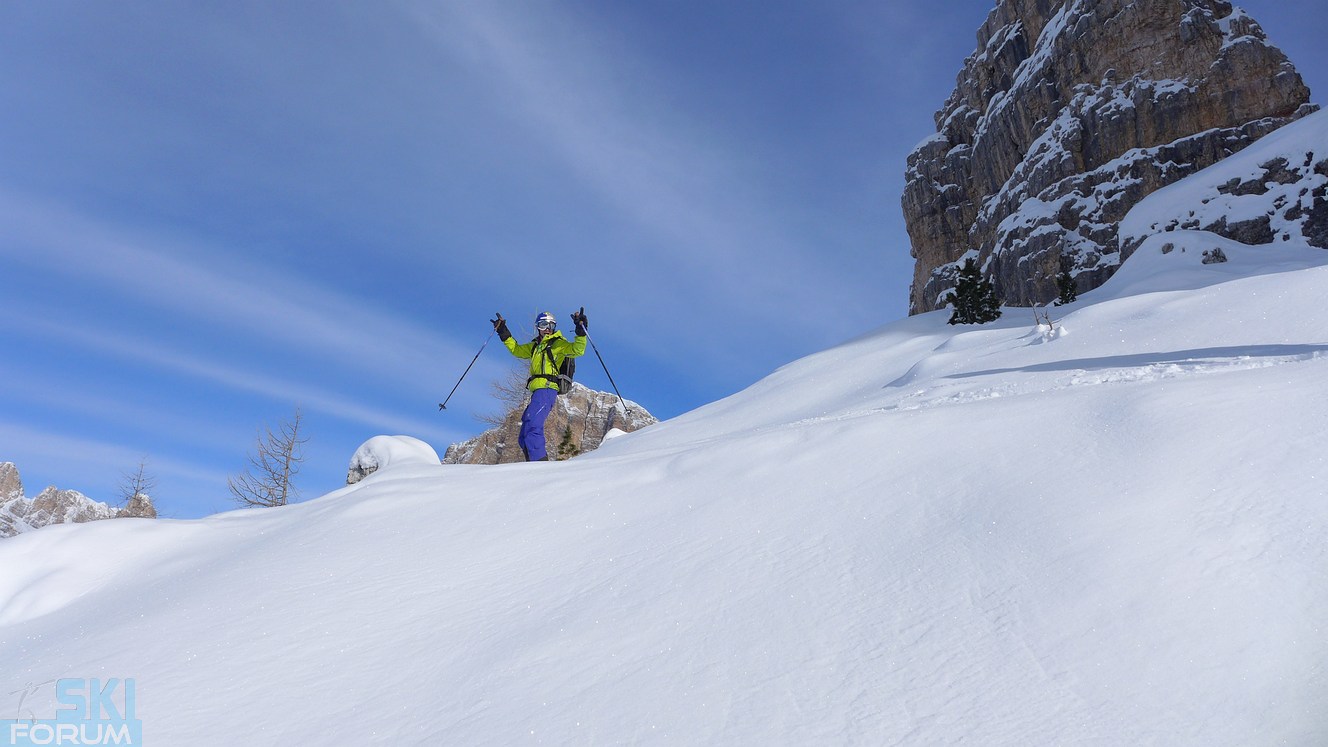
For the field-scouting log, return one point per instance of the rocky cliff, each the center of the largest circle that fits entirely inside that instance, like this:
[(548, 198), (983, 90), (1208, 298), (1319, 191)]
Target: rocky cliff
[(53, 506), (579, 423), (1068, 114)]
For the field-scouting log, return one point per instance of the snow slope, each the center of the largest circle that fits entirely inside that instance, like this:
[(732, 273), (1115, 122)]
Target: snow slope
[(1108, 532)]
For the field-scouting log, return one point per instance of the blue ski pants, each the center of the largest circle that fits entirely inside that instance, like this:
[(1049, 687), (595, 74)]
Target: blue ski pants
[(532, 424)]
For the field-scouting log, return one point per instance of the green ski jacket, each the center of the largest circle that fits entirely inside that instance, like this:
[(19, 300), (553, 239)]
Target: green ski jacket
[(540, 364)]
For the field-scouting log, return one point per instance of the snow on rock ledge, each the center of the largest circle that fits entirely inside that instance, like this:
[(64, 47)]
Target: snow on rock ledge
[(385, 452), (1273, 192)]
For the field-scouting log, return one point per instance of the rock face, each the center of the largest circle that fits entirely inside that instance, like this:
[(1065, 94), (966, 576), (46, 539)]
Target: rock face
[(138, 507), (579, 423), (11, 485), (1275, 191), (1068, 114), (53, 506)]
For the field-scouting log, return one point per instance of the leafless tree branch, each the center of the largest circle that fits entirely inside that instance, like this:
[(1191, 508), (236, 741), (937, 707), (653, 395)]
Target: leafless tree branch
[(138, 482), (272, 466), (511, 392)]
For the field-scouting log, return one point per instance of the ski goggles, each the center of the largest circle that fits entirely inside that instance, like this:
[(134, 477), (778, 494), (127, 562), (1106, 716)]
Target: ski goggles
[(545, 325)]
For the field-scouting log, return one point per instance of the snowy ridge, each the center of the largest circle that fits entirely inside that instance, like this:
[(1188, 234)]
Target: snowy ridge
[(1107, 531)]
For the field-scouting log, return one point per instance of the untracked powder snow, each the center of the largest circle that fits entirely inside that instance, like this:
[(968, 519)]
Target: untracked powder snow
[(1109, 529)]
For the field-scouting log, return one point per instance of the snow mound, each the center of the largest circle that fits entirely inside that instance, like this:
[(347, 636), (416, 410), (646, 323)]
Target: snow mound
[(386, 452)]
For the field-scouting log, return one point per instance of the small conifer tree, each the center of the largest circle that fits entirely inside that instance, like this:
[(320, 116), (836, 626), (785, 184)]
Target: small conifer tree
[(1069, 293), (973, 297), (566, 448)]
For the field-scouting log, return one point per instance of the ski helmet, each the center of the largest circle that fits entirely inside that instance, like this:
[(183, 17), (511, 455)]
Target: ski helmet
[(546, 322)]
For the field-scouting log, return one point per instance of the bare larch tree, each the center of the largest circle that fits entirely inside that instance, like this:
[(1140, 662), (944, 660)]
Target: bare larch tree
[(273, 465), (511, 391), (135, 493), (136, 483)]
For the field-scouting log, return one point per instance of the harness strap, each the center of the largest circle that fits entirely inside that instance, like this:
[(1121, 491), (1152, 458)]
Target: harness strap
[(555, 377)]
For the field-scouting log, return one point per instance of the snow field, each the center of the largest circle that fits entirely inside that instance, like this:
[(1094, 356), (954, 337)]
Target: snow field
[(1110, 532)]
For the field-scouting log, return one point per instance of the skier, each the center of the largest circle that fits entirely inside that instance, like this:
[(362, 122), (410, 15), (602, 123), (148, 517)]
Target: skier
[(546, 353)]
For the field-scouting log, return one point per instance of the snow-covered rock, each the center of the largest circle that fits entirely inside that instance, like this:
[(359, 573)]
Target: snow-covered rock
[(581, 420), (385, 452), (138, 507)]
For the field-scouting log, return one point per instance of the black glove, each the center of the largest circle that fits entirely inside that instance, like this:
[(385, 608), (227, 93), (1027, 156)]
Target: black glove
[(579, 320), (500, 326)]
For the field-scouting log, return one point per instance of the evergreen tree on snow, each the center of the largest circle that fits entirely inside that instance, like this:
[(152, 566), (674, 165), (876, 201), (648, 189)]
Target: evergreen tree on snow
[(566, 448), (1069, 293), (973, 297)]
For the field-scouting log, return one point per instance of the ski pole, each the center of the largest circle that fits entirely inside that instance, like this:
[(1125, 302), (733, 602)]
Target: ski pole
[(626, 409), (443, 405)]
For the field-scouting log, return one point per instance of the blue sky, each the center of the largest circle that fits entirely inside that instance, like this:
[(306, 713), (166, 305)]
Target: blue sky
[(215, 213)]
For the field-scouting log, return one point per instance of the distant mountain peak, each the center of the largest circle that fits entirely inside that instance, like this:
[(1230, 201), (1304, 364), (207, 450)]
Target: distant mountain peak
[(20, 514)]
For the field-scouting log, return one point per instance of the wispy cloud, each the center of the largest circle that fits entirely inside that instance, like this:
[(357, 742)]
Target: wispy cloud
[(89, 453), (65, 396), (146, 353), (671, 171), (189, 279)]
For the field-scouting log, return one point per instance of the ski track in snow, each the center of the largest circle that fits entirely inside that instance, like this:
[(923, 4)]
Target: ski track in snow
[(1127, 369), (963, 388)]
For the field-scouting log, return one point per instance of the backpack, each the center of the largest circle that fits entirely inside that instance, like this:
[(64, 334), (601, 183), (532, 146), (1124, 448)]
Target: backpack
[(566, 372)]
